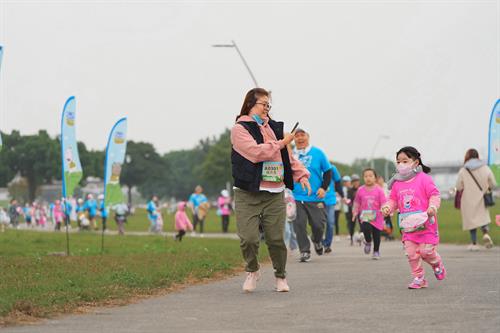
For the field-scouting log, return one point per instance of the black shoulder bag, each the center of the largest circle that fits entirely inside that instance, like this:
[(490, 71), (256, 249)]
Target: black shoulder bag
[(488, 196)]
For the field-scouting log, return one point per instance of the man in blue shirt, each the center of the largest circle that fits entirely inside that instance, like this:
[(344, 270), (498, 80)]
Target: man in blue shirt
[(152, 209), (103, 210), (311, 207), (67, 209), (330, 202), (198, 203), (91, 207)]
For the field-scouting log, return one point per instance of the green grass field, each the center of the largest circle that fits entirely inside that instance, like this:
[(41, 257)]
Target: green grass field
[(450, 225), (37, 284)]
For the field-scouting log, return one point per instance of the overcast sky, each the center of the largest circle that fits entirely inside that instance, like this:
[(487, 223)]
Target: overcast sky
[(424, 73)]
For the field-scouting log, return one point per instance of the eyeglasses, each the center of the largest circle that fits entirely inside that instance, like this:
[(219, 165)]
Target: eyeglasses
[(266, 105)]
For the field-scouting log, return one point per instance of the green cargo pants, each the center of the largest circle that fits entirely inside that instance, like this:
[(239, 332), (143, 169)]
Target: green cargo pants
[(268, 209)]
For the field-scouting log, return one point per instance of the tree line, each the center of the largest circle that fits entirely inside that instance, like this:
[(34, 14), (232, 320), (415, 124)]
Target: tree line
[(37, 158)]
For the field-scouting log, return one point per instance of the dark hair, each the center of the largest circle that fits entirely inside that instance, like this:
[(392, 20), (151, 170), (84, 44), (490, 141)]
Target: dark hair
[(250, 99), (470, 154), (413, 153), (372, 170)]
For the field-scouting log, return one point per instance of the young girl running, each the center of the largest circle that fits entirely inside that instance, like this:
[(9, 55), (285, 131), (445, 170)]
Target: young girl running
[(416, 197), (367, 203), (182, 222)]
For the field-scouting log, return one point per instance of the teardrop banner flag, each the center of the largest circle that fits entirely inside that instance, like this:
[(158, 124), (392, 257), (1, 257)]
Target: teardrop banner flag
[(71, 167), (494, 142), (115, 156), (1, 56)]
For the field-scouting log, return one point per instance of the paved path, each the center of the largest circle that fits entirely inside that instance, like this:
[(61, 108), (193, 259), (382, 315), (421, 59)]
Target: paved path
[(74, 230), (341, 292)]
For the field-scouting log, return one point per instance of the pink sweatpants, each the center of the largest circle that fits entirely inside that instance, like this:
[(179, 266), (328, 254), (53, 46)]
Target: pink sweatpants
[(417, 253)]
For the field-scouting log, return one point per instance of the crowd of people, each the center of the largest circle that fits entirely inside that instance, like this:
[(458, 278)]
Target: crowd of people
[(334, 194), (198, 206), (86, 213), (90, 214), (280, 191)]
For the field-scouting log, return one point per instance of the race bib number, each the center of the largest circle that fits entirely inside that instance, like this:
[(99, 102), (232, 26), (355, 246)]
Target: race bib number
[(412, 221), (273, 172), (368, 215)]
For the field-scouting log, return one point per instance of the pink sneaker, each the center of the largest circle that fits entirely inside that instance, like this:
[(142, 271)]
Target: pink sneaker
[(440, 272), (418, 283), (282, 285), (251, 281)]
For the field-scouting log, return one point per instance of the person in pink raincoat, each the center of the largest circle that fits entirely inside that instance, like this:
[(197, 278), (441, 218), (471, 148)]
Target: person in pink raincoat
[(40, 215), (224, 208), (182, 222), (58, 214)]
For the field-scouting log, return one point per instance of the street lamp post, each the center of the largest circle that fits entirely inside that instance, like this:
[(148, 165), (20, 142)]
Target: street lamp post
[(233, 45), (380, 138), (386, 170)]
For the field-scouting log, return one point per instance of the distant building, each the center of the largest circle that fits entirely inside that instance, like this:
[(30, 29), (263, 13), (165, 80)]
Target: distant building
[(94, 186), (4, 194), (50, 192)]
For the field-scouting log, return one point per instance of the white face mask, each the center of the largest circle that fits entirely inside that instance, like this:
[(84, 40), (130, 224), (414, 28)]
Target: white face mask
[(404, 169)]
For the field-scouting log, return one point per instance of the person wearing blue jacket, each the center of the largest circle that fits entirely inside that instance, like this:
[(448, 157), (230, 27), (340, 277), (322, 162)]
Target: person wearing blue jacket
[(91, 208), (103, 211), (311, 207), (152, 209), (330, 202)]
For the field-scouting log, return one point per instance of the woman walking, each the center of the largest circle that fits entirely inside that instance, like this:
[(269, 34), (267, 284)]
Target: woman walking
[(262, 168), (475, 179)]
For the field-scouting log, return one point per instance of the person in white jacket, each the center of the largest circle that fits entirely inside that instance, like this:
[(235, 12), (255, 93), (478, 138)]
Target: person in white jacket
[(4, 219), (474, 212)]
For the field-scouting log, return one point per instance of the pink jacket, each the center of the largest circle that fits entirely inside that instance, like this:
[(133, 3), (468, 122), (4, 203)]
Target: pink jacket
[(269, 151), (58, 212), (417, 195), (181, 219), (224, 205)]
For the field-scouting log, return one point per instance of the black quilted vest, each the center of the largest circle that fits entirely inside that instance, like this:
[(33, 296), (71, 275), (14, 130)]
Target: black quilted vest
[(247, 175)]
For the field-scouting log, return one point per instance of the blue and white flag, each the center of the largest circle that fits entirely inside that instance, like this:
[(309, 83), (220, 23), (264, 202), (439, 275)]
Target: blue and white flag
[(115, 156), (71, 168), (494, 141), (1, 56)]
